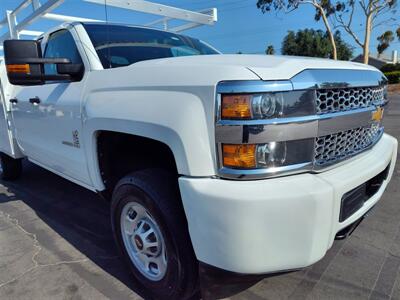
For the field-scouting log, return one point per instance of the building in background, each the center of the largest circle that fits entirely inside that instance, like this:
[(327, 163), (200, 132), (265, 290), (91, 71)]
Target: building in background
[(379, 62)]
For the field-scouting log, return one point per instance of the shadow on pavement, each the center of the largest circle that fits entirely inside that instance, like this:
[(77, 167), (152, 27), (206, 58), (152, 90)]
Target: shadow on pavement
[(79, 216)]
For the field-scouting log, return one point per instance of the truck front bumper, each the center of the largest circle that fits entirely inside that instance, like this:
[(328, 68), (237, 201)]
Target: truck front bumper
[(285, 223)]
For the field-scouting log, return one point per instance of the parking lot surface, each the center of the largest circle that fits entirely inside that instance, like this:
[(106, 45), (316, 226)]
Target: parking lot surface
[(56, 243)]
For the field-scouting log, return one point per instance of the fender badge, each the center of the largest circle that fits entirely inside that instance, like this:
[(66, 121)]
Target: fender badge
[(377, 115), (75, 140)]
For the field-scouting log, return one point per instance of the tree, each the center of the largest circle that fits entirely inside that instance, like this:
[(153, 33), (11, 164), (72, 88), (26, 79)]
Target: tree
[(344, 50), (384, 41), (290, 44), (323, 9), (374, 12), (314, 43), (270, 50), (307, 42)]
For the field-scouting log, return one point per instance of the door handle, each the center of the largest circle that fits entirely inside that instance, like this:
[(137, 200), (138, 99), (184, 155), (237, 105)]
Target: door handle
[(34, 100), (14, 100)]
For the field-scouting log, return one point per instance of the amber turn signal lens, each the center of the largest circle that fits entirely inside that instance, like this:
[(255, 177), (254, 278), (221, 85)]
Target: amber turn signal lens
[(25, 69), (236, 107), (239, 156)]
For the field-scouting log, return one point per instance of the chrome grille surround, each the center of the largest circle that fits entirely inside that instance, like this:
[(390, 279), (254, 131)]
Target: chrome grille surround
[(335, 147), (343, 99)]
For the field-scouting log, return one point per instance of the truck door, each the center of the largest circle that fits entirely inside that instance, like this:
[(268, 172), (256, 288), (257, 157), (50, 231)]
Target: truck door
[(47, 117)]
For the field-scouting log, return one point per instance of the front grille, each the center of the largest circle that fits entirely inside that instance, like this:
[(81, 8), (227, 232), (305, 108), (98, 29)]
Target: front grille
[(334, 147), (343, 99)]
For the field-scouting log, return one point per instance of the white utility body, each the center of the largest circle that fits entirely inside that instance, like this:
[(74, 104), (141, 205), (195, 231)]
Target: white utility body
[(271, 157)]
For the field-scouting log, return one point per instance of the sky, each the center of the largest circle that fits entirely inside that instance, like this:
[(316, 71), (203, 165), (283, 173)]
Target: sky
[(240, 27)]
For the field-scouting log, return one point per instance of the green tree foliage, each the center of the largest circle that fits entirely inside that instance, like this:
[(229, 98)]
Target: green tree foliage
[(323, 8), (373, 13), (341, 13), (391, 68), (270, 50), (314, 43), (384, 41), (393, 77)]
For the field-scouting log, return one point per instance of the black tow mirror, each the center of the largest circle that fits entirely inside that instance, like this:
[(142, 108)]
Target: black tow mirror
[(25, 65), (73, 70), (19, 71)]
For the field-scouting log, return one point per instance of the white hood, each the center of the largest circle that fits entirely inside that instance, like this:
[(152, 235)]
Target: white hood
[(267, 67)]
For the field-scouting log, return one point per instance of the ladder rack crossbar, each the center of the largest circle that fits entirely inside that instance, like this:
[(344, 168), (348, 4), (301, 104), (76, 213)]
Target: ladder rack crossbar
[(212, 12), (44, 10), (65, 18)]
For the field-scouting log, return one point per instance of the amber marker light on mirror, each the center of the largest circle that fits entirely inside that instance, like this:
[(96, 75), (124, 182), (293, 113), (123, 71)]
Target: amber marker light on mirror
[(239, 156), (236, 106), (24, 69)]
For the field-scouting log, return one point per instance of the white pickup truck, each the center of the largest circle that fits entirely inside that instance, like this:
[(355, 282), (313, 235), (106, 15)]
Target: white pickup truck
[(246, 164)]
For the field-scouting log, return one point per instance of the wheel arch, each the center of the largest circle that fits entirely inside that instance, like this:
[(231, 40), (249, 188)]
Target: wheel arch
[(155, 134)]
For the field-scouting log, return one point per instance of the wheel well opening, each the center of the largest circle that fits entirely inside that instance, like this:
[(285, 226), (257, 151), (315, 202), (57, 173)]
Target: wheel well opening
[(120, 154)]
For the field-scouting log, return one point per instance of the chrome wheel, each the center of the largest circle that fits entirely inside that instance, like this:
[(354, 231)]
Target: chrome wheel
[(143, 241)]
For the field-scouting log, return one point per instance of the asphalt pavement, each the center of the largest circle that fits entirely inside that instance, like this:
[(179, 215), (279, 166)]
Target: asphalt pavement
[(56, 243)]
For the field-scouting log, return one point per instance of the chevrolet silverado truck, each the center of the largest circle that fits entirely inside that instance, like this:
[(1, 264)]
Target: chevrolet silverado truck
[(245, 164)]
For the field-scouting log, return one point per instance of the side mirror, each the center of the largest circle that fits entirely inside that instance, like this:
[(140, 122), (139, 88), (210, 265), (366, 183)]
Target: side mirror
[(73, 70), (25, 65), (18, 70)]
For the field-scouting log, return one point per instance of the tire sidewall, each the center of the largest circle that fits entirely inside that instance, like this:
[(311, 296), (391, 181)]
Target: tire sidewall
[(129, 192)]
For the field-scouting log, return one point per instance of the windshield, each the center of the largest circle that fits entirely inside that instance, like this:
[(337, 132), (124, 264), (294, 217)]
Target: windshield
[(119, 46)]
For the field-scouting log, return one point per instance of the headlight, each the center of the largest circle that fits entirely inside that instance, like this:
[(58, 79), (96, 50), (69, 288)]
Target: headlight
[(266, 105), (272, 154), (268, 128), (268, 155), (239, 156), (239, 109), (236, 106)]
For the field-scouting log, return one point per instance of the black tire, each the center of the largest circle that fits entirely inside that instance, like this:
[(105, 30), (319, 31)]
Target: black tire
[(11, 167), (157, 190)]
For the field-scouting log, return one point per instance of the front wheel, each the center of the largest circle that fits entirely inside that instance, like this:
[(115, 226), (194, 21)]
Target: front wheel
[(151, 231)]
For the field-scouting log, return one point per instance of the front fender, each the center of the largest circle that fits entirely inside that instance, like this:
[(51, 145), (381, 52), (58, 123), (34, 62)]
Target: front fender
[(178, 119)]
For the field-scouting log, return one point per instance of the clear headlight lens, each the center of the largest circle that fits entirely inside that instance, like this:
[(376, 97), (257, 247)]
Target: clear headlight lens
[(271, 154), (267, 105)]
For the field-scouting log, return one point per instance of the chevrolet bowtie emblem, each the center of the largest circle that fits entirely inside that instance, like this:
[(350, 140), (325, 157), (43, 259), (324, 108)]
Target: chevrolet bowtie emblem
[(377, 115)]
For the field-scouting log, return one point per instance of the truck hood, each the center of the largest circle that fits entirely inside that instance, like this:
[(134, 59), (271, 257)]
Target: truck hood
[(267, 67)]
